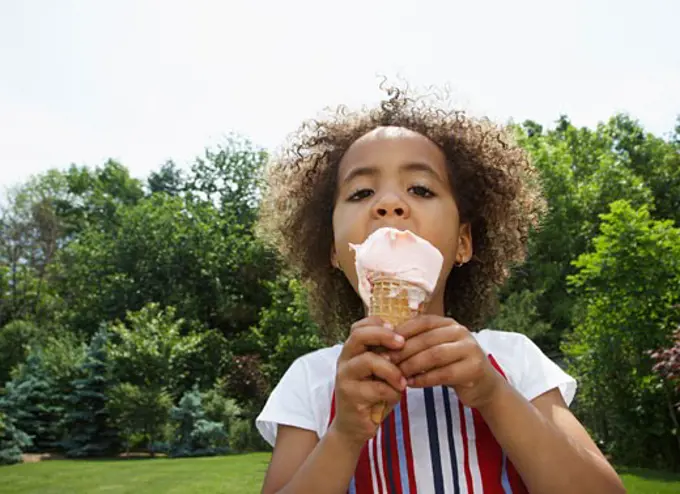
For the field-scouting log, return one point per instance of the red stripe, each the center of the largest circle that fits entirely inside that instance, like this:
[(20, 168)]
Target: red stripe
[(407, 444), (466, 454), (394, 453), (332, 414), (489, 456), (384, 452), (516, 482), (362, 474), (374, 441)]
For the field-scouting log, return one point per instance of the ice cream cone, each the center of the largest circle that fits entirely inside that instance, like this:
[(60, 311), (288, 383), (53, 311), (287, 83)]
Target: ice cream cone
[(394, 301)]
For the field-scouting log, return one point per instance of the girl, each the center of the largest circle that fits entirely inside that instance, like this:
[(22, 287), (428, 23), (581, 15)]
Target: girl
[(472, 410)]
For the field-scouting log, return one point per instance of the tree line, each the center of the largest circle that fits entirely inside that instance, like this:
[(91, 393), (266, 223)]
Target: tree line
[(147, 315)]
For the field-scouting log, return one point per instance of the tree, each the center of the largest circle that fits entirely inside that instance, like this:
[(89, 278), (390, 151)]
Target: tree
[(33, 403), (627, 287), (195, 435), (667, 364), (186, 254), (228, 177), (15, 339), (12, 441), (169, 180), (88, 425), (141, 411)]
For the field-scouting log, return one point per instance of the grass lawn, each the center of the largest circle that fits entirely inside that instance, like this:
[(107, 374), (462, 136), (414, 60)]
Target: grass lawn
[(231, 474)]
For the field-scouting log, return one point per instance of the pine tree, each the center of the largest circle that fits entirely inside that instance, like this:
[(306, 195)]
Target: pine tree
[(196, 436), (12, 441), (32, 400), (88, 424)]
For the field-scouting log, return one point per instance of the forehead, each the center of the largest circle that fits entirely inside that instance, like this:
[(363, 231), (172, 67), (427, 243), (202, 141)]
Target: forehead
[(391, 146)]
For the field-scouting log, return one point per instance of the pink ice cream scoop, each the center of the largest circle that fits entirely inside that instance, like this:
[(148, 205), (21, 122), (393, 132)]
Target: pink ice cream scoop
[(398, 255)]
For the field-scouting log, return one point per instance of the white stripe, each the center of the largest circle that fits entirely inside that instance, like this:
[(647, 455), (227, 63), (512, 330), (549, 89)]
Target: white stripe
[(381, 468), (420, 443), (458, 441), (444, 454), (472, 450), (371, 462)]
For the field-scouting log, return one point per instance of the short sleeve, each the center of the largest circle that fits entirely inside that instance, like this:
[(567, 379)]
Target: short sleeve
[(290, 403), (540, 374)]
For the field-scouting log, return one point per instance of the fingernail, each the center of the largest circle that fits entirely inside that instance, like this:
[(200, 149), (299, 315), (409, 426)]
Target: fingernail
[(388, 325), (402, 382), (385, 356), (398, 338)]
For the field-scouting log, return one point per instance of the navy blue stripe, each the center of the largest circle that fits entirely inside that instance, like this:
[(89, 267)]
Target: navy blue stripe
[(387, 445), (449, 433), (437, 473)]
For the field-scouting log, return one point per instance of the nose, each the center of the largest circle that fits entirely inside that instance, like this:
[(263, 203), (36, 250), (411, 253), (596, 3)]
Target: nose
[(390, 205)]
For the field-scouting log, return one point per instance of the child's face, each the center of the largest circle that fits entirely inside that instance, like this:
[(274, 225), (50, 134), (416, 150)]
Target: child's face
[(396, 177)]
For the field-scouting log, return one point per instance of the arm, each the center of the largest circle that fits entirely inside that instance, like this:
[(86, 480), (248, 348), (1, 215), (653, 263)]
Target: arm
[(543, 433), (550, 449), (301, 463)]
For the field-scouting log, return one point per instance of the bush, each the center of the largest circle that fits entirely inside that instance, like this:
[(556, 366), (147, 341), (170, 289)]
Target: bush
[(12, 441), (244, 437), (195, 435)]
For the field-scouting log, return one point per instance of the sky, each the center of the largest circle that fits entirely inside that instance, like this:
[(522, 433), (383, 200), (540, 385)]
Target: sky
[(144, 81)]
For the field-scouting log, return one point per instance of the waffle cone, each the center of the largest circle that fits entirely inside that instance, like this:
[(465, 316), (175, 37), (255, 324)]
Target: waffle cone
[(390, 301)]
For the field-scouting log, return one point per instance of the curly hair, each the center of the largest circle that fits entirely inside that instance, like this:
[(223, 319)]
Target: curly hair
[(495, 188)]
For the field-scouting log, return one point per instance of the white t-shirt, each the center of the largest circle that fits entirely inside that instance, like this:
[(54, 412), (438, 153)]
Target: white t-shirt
[(430, 441)]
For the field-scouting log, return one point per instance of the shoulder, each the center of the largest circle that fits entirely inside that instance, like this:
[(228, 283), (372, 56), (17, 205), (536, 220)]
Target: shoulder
[(302, 397), (525, 365)]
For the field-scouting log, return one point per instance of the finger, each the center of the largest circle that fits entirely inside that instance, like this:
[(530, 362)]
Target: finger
[(428, 339), (462, 373), (363, 338), (420, 324), (436, 356), (371, 365), (370, 321), (373, 392)]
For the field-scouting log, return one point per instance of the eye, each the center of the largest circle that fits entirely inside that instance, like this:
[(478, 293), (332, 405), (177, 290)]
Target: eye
[(421, 191), (360, 194)]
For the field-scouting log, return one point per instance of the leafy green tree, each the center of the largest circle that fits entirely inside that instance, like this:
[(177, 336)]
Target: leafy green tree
[(185, 254), (169, 180), (285, 330), (228, 177), (627, 287), (12, 441), (139, 411), (88, 427), (15, 340)]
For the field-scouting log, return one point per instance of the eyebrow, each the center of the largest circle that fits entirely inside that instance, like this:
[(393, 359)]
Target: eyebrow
[(371, 171)]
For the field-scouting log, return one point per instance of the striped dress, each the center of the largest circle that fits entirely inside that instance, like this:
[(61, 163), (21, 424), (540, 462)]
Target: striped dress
[(430, 442)]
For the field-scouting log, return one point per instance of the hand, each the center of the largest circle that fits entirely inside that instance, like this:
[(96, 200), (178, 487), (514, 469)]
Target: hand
[(439, 351), (365, 379)]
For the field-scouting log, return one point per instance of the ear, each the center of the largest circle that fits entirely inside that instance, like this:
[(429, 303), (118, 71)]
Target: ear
[(464, 252)]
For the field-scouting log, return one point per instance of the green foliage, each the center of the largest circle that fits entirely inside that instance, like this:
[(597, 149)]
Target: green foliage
[(87, 422), (12, 441), (139, 411), (34, 404), (184, 253), (219, 408), (627, 288), (15, 340), (244, 437), (149, 350), (285, 330), (196, 436), (519, 314)]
